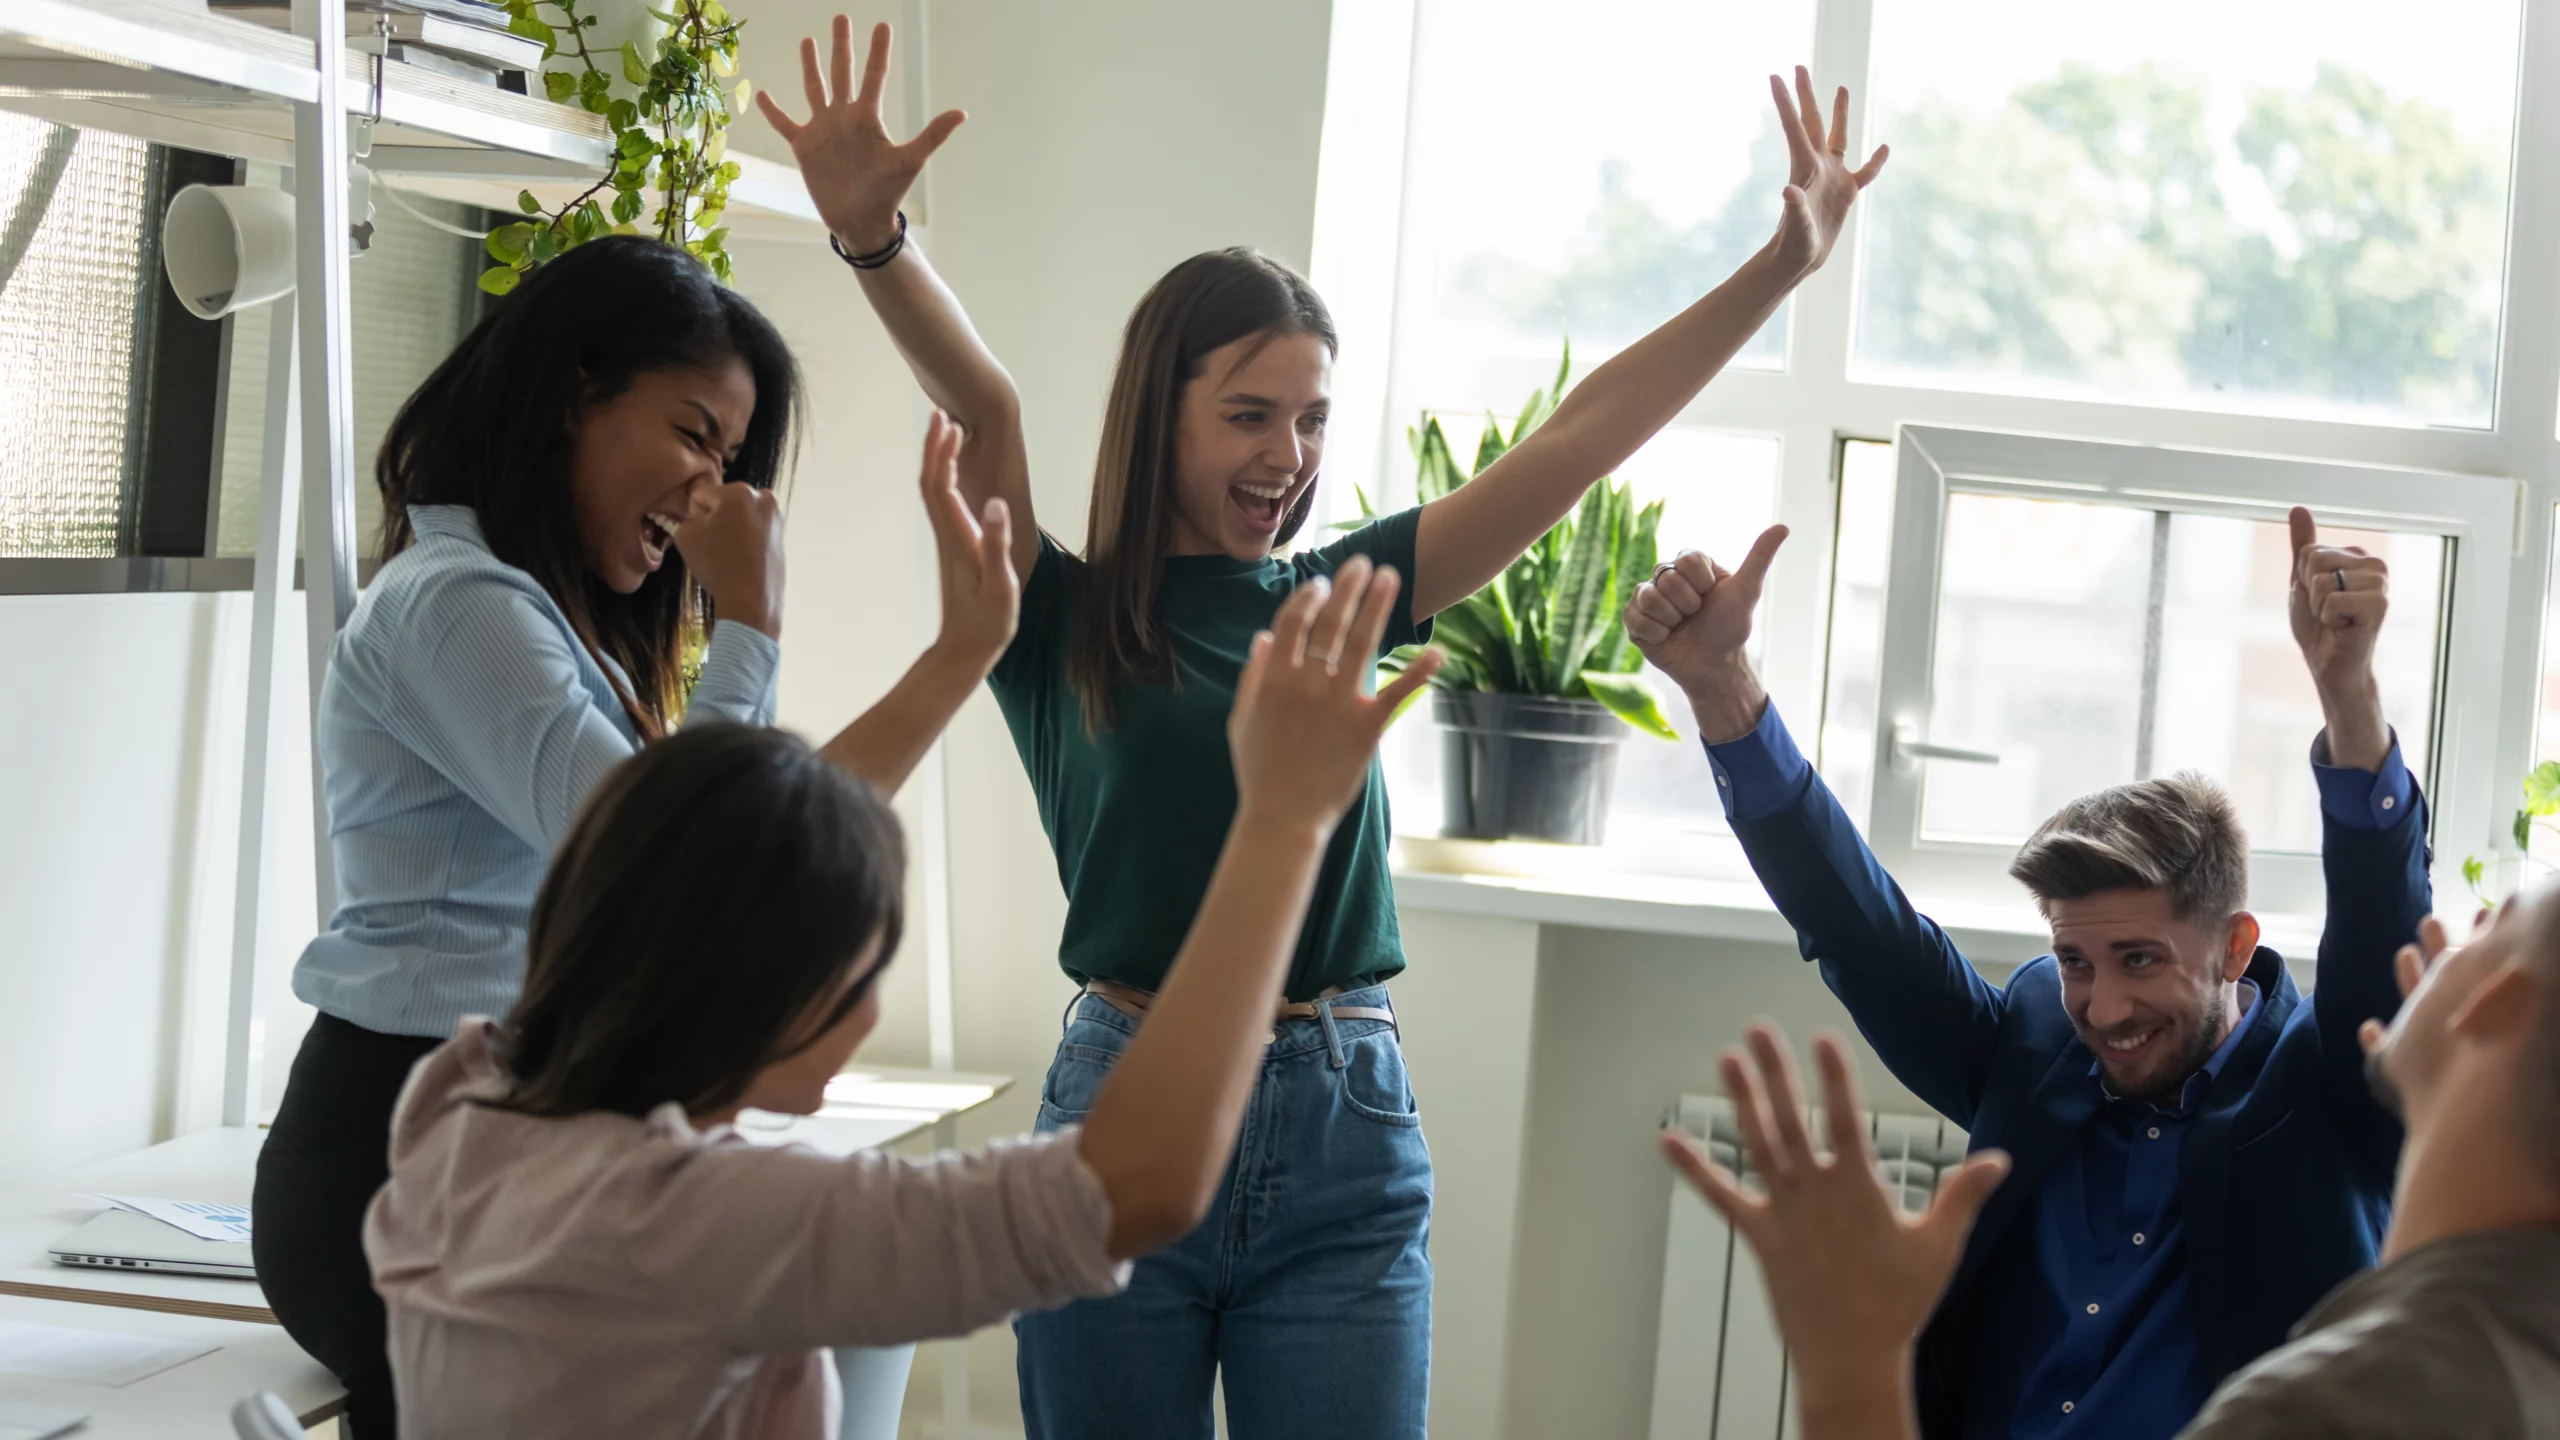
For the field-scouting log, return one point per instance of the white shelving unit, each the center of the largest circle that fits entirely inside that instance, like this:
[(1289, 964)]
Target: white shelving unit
[(171, 72)]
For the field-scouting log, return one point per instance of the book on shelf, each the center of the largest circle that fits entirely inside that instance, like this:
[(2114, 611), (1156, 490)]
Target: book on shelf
[(471, 72), (408, 23), (469, 12)]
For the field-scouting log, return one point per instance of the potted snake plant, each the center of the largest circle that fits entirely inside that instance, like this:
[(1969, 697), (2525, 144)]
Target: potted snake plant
[(1541, 683)]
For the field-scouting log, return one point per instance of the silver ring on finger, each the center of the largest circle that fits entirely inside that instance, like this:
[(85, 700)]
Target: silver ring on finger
[(2340, 576)]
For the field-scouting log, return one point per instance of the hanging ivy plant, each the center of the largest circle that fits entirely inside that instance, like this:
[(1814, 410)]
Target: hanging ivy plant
[(670, 134)]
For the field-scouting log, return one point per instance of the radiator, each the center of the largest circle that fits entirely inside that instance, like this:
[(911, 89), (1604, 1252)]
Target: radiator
[(1719, 1372)]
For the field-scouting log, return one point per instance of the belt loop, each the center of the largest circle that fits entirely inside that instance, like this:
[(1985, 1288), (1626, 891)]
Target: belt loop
[(1332, 1035), (1067, 1017)]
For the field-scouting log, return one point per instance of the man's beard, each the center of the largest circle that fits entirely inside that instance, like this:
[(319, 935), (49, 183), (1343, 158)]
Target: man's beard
[(2201, 1042)]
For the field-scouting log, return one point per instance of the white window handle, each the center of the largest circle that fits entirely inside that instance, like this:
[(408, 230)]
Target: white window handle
[(1909, 749)]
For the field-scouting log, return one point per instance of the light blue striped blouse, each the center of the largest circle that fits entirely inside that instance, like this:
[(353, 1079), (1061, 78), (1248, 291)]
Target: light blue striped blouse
[(461, 724)]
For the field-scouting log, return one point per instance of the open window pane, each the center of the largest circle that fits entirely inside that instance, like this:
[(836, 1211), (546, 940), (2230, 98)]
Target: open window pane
[(2234, 699), (1862, 538), (2039, 658), (1590, 174), (2295, 205), (2092, 644)]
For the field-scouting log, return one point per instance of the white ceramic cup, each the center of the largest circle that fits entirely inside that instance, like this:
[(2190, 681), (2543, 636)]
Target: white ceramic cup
[(228, 247)]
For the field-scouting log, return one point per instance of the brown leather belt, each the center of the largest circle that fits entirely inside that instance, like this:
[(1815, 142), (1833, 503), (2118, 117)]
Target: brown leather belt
[(1133, 1002)]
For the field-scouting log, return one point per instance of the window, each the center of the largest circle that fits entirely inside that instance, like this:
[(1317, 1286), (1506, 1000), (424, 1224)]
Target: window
[(2136, 280), (2294, 205), (141, 426), (74, 315), (1569, 181), (2105, 613), (1862, 534), (2543, 836)]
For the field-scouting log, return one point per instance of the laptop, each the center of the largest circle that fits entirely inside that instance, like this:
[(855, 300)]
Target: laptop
[(122, 1240)]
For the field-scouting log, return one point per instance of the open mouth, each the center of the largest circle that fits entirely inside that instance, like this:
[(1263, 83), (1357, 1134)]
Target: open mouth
[(1261, 505), (657, 535)]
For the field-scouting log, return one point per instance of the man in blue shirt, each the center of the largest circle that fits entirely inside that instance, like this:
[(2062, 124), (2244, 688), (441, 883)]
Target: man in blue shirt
[(2198, 1158)]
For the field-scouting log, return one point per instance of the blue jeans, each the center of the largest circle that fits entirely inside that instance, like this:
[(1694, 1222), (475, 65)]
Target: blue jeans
[(1306, 1291)]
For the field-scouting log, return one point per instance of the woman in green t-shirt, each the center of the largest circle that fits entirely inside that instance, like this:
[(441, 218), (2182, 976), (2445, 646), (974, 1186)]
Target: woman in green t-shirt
[(1307, 1292)]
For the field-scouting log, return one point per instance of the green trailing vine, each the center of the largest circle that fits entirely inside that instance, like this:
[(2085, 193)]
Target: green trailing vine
[(670, 135)]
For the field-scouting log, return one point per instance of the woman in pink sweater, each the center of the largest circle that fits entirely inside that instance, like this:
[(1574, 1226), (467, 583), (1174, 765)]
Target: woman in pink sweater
[(574, 1240)]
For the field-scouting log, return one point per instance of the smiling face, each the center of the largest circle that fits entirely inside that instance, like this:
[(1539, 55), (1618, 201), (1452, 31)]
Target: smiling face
[(1248, 442), (2151, 995), (643, 459)]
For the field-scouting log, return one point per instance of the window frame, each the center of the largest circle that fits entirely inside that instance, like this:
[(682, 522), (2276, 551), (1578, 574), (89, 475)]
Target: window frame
[(2475, 514), (1815, 402)]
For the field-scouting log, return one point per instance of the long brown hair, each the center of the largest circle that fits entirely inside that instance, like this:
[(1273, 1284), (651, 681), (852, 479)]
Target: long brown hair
[(1207, 301), (716, 889), (489, 430)]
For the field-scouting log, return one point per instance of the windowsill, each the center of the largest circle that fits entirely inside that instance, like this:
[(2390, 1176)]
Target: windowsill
[(1587, 896)]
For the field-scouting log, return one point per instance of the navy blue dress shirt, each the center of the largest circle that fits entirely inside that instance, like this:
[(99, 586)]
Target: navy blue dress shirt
[(2085, 1328)]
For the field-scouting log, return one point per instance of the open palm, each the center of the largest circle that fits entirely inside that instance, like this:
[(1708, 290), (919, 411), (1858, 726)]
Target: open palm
[(1820, 185), (856, 174)]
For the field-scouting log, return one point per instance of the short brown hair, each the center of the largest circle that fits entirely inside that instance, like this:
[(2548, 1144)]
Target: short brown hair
[(2180, 835)]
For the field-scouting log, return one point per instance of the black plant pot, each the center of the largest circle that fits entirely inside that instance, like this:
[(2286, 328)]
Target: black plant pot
[(1525, 767)]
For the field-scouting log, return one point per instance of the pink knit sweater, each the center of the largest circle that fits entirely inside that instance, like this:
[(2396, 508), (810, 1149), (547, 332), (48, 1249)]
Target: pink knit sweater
[(601, 1275)]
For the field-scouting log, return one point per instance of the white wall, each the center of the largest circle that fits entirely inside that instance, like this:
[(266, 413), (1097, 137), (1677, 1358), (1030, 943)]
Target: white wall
[(120, 736)]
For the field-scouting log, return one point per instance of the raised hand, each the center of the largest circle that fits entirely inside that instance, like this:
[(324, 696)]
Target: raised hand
[(1302, 729), (732, 546), (1851, 1277), (2338, 599), (1820, 185), (1692, 620), (981, 596), (856, 175)]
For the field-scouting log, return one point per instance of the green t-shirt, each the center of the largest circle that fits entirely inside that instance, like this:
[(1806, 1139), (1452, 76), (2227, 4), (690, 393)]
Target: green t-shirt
[(1138, 814)]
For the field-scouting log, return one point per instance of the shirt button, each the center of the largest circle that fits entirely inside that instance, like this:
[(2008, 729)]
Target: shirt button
[(2093, 1308), (2066, 1407), (2155, 1132), (2137, 1237), (2390, 800), (1719, 779)]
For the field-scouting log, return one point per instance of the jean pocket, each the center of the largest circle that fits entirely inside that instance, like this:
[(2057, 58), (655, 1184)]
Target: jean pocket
[(1374, 1085), (1075, 1077)]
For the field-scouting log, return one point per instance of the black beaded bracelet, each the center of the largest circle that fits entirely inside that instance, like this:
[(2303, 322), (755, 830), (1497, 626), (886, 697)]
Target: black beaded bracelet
[(876, 258)]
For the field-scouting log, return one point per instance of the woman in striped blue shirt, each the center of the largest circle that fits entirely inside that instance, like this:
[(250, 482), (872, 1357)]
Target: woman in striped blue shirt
[(564, 499)]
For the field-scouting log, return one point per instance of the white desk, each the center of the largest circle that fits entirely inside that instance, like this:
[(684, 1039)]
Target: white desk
[(186, 1402), (867, 1107), (208, 1165)]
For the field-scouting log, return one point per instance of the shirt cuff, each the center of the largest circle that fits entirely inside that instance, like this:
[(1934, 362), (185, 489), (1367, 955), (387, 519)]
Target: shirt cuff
[(741, 673), (2363, 799), (1761, 773)]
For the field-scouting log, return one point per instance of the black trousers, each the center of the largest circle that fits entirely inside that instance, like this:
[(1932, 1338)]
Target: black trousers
[(328, 1152)]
